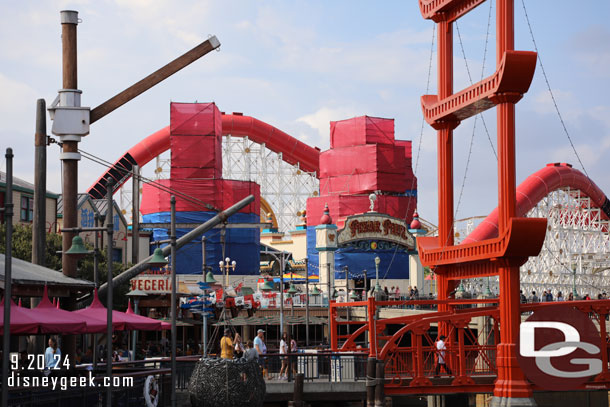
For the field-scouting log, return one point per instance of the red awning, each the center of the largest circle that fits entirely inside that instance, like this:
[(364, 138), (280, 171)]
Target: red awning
[(53, 320), (164, 325), (120, 320), (23, 320)]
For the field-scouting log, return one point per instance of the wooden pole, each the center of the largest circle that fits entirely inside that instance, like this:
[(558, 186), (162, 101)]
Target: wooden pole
[(379, 391), (298, 390), (70, 158), (370, 381), (40, 185), (154, 78), (40, 189)]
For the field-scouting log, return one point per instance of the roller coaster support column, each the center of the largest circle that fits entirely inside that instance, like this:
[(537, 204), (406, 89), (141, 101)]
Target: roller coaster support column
[(445, 158), (511, 387)]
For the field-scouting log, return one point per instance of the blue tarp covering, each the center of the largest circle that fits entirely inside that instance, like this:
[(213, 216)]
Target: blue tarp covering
[(242, 245), (357, 260)]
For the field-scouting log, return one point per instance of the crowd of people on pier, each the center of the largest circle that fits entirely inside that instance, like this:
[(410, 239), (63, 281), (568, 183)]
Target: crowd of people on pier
[(547, 296)]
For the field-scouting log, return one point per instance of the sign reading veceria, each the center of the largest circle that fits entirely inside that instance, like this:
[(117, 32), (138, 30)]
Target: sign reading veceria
[(375, 226), (152, 284)]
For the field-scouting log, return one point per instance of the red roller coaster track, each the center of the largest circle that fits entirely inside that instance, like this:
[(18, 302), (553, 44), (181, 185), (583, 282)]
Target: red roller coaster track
[(537, 186), (293, 151)]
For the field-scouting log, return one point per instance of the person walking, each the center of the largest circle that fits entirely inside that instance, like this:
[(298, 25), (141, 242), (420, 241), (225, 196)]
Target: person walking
[(293, 358), (284, 356), (226, 345), (440, 357), (238, 346), (261, 349)]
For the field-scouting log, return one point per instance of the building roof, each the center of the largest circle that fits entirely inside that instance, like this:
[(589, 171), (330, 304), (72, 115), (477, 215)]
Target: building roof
[(81, 199), (22, 185), (26, 273), (99, 205)]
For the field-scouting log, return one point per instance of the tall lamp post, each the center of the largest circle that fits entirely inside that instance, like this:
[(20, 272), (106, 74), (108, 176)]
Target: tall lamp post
[(78, 250), (377, 286), (157, 261), (225, 266), (209, 279)]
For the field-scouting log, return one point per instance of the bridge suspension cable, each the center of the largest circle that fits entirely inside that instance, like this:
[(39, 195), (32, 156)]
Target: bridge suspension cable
[(548, 85)]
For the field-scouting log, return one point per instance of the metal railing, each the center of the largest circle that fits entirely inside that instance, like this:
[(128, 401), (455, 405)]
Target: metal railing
[(316, 366)]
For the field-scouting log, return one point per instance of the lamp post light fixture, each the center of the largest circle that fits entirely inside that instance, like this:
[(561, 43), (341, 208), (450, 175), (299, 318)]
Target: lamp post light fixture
[(157, 260), (225, 266), (292, 290), (266, 286), (209, 278), (78, 249)]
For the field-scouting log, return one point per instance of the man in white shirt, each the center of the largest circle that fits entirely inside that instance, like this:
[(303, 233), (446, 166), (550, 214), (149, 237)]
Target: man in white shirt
[(261, 349), (440, 357)]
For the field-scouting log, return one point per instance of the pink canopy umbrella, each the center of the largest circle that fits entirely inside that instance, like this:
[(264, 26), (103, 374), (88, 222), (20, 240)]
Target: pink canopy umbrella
[(120, 320), (23, 320), (53, 320), (164, 325)]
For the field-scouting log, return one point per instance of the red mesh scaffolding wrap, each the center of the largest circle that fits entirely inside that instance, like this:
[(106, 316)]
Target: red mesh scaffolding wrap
[(341, 206), (361, 130), (408, 145), (194, 119), (220, 193), (196, 156), (195, 140), (363, 159), (365, 183)]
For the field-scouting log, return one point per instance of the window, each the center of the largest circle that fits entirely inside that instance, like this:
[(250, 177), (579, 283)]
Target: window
[(27, 209), (117, 255)]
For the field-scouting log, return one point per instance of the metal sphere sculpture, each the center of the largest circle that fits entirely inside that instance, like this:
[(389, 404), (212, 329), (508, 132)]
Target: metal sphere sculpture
[(227, 383)]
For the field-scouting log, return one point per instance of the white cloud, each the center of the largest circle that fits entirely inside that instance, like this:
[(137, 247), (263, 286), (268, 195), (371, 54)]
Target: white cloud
[(321, 118), (17, 104), (566, 101)]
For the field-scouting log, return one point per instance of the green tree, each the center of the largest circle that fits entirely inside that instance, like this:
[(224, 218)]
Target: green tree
[(22, 245), (22, 249)]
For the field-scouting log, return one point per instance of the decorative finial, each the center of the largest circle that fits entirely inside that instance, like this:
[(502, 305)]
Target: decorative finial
[(415, 223), (326, 219)]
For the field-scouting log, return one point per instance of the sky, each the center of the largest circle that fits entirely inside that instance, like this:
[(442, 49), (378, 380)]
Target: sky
[(297, 65)]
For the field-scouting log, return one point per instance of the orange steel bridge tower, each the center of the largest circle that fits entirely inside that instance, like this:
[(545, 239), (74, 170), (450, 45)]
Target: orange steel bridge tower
[(518, 238)]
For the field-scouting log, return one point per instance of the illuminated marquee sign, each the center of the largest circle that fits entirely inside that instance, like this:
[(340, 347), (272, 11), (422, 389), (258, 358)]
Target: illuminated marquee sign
[(376, 227)]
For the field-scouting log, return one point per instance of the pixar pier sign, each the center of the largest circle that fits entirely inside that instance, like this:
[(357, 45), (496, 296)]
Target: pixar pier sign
[(376, 226)]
